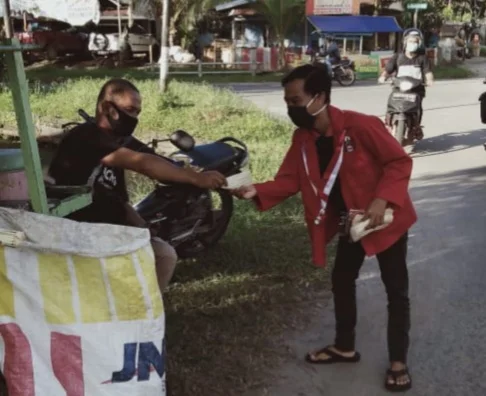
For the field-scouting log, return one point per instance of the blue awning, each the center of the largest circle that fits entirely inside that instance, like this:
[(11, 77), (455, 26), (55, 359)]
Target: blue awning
[(355, 24)]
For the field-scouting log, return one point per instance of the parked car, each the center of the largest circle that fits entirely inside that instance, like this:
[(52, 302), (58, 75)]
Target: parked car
[(134, 41), (54, 39)]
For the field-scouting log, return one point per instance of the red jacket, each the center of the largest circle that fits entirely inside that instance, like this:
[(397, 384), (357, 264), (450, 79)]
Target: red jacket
[(376, 167)]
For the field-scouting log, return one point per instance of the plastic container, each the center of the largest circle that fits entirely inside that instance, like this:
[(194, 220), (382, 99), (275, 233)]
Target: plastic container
[(13, 181)]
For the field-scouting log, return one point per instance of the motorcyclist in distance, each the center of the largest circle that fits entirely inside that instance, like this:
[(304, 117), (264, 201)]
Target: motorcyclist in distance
[(411, 63)]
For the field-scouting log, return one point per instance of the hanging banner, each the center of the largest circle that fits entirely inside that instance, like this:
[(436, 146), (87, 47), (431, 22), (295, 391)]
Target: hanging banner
[(74, 12), (332, 7)]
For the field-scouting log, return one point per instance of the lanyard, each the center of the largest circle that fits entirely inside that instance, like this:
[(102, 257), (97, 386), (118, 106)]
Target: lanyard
[(330, 176)]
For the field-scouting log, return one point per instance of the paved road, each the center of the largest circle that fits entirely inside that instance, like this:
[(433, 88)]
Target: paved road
[(447, 259)]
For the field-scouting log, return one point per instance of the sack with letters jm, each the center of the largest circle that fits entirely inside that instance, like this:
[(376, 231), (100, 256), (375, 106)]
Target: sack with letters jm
[(80, 310)]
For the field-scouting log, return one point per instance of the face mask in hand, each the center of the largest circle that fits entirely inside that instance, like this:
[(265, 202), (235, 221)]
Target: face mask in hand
[(124, 125), (301, 117), (412, 47)]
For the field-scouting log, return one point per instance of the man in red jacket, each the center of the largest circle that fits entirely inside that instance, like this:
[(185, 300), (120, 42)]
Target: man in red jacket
[(344, 161)]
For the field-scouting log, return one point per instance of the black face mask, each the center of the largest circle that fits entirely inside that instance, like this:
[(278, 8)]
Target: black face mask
[(125, 125), (301, 117)]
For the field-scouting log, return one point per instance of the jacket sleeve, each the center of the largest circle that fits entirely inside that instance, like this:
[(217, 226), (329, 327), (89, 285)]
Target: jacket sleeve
[(285, 184), (395, 162)]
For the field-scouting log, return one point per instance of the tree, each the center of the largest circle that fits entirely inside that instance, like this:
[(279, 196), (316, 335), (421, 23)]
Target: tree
[(283, 16)]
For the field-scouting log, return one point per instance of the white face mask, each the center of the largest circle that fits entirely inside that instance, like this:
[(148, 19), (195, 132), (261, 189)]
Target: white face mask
[(412, 46)]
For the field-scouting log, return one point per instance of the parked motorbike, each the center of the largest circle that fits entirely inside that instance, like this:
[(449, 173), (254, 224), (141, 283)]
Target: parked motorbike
[(403, 108), (188, 217)]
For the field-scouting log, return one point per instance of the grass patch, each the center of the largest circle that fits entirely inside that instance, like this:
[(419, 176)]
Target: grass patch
[(449, 72), (227, 309), (52, 73)]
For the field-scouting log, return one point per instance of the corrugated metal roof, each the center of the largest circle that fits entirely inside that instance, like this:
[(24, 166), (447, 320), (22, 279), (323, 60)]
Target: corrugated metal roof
[(233, 4)]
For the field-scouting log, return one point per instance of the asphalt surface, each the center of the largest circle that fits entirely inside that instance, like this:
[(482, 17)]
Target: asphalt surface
[(447, 259)]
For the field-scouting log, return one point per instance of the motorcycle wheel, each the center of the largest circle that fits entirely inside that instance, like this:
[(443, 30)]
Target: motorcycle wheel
[(204, 241), (346, 77), (399, 131)]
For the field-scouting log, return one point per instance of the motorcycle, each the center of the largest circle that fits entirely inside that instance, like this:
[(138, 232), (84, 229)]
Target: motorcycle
[(343, 72), (403, 108), (185, 215)]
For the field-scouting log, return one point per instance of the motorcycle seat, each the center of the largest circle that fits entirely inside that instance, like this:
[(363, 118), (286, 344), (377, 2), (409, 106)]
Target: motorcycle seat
[(213, 156)]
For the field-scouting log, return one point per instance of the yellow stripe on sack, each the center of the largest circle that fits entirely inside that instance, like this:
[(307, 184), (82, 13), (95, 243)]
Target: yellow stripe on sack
[(148, 268), (126, 288), (56, 288), (6, 289), (93, 298)]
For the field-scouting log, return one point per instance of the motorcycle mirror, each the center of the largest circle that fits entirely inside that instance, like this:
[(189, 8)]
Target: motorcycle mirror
[(85, 116), (182, 140)]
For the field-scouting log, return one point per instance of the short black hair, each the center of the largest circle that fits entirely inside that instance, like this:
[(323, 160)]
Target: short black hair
[(114, 87), (316, 79)]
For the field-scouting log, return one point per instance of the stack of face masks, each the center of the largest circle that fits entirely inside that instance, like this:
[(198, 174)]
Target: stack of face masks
[(358, 226)]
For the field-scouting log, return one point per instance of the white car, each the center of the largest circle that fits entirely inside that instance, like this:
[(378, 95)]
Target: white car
[(135, 41)]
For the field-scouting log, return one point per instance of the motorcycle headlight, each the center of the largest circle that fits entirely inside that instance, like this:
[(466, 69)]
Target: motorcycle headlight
[(406, 86)]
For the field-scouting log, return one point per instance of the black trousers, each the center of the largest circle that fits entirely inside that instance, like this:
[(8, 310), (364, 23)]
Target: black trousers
[(394, 274)]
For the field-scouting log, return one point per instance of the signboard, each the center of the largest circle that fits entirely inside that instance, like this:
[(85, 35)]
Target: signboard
[(74, 12), (333, 7), (417, 6)]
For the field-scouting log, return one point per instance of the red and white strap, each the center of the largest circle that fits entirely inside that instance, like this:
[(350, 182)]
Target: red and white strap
[(329, 177)]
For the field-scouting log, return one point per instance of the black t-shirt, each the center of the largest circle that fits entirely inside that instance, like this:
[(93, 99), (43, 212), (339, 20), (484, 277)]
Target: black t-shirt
[(325, 151), (78, 162), (416, 67)]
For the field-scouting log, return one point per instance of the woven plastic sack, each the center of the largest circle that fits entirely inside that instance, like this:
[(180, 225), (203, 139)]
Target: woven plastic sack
[(80, 310)]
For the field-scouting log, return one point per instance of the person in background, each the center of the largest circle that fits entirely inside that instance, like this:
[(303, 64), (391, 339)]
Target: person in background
[(98, 154), (433, 38), (412, 63), (331, 52), (325, 163)]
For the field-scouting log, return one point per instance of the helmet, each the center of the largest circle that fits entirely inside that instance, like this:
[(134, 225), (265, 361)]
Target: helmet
[(413, 32)]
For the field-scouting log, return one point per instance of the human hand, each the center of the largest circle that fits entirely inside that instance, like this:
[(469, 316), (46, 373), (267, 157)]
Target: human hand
[(376, 213), (246, 192), (210, 179)]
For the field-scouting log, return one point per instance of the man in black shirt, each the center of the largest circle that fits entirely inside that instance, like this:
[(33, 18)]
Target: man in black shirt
[(98, 154), (412, 63)]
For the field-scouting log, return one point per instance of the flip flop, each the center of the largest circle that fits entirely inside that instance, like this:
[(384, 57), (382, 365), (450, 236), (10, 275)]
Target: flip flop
[(333, 357), (395, 375)]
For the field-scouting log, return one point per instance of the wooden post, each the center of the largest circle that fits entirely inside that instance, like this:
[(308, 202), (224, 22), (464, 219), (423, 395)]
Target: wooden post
[(199, 68), (30, 151), (7, 22), (253, 64)]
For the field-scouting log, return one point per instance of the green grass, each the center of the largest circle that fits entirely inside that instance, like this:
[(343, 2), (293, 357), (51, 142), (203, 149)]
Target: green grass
[(51, 73), (227, 309), (451, 72)]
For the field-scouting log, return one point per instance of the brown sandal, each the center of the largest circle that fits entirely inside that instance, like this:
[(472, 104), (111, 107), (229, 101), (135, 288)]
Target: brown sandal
[(395, 375)]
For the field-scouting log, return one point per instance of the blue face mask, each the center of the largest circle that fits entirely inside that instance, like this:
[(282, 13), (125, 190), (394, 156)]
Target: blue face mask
[(412, 46)]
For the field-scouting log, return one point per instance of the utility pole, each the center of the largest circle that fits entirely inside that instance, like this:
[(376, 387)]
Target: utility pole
[(164, 53)]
